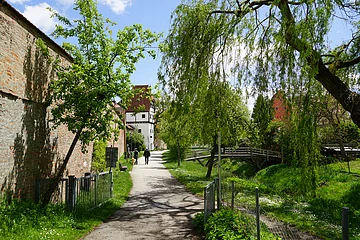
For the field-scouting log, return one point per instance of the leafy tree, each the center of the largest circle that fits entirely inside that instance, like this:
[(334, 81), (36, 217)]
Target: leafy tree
[(261, 116), (135, 140), (284, 41), (220, 109), (305, 145), (283, 44), (176, 132), (101, 68)]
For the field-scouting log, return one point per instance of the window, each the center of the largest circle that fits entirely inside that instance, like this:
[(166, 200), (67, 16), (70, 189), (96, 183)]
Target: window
[(143, 116), (139, 131), (150, 136)]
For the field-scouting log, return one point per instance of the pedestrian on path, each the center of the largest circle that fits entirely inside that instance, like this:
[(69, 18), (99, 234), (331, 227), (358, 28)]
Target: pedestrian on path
[(136, 155), (158, 208), (146, 155)]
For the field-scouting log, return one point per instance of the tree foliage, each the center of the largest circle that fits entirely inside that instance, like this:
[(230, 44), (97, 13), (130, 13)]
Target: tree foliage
[(176, 131), (134, 139), (271, 44), (83, 92), (98, 160), (261, 116)]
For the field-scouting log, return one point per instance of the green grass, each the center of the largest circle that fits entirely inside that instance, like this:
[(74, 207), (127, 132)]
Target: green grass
[(280, 194), (191, 174), (20, 219), (321, 216)]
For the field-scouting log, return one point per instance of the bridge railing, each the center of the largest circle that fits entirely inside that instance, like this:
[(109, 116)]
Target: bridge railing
[(196, 153), (234, 152), (248, 151)]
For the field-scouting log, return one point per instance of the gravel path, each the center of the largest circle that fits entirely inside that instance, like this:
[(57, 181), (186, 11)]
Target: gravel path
[(158, 208)]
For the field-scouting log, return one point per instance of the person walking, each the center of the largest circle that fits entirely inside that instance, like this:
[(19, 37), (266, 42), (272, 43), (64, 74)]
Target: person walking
[(136, 155), (146, 155)]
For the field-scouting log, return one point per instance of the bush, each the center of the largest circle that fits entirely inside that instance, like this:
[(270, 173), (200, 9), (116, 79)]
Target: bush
[(98, 163), (226, 225), (198, 223)]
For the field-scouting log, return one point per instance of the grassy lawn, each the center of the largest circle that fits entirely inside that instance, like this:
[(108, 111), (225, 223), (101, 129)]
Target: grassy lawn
[(20, 219), (192, 175), (279, 193)]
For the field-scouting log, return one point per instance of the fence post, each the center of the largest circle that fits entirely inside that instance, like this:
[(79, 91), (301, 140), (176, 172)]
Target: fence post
[(257, 213), (345, 223), (87, 180), (111, 183), (213, 192), (72, 193), (218, 200), (232, 194), (205, 205), (96, 188)]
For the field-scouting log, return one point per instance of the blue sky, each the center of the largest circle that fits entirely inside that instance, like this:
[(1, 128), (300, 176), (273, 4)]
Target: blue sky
[(152, 14)]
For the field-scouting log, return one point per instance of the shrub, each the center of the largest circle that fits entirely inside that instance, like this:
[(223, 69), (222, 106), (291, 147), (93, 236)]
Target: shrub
[(198, 223), (225, 224), (98, 163)]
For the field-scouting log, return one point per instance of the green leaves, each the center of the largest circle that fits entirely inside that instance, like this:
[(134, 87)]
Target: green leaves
[(100, 71)]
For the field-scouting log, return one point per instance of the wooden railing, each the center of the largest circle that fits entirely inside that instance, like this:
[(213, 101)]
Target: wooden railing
[(251, 152), (245, 152)]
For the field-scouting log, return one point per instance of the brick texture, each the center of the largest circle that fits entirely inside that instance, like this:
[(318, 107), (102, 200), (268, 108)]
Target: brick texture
[(29, 147), (281, 109)]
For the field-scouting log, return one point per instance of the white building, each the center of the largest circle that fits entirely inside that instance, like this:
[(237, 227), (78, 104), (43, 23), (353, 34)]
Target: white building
[(140, 115)]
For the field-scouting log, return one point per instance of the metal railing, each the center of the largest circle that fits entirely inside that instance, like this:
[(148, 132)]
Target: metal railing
[(86, 192), (210, 193), (237, 197)]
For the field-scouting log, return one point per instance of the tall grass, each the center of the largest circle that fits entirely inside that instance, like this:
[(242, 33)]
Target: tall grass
[(27, 220)]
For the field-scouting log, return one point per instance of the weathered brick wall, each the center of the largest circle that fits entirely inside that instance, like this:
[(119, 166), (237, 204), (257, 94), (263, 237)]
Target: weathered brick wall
[(120, 142), (29, 148), (281, 111)]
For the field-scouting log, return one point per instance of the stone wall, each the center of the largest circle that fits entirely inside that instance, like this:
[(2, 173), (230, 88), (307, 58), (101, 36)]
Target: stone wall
[(29, 147)]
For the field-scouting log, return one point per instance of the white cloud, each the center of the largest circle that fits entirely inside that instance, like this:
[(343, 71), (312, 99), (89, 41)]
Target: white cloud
[(117, 6), (40, 17), (17, 1)]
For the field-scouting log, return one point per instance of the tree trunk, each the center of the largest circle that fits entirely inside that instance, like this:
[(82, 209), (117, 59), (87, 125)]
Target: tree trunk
[(53, 185), (333, 84), (211, 161)]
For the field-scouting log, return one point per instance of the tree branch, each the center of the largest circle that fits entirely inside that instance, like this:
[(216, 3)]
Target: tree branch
[(349, 63)]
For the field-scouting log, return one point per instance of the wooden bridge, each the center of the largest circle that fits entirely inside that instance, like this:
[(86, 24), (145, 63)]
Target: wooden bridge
[(254, 155)]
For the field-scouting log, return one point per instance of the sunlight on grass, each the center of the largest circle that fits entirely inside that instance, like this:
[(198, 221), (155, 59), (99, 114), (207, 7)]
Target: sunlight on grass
[(280, 196), (20, 219)]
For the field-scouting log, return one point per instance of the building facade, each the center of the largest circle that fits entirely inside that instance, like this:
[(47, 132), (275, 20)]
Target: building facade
[(141, 114), (30, 148), (281, 108), (120, 141)]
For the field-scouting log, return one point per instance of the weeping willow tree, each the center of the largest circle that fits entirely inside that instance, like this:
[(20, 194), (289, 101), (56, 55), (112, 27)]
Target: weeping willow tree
[(195, 74), (268, 44), (176, 132)]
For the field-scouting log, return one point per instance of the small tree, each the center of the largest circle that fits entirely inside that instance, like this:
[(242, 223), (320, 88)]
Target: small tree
[(83, 92), (261, 117), (176, 131), (135, 140)]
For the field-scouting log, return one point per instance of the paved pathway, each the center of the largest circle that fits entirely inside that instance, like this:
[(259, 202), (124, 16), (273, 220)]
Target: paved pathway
[(159, 207)]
